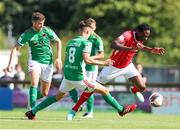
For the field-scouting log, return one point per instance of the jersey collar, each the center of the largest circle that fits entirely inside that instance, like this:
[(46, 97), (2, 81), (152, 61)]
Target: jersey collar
[(134, 36)]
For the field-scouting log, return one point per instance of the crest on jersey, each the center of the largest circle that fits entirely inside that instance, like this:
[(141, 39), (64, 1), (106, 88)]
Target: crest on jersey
[(35, 43), (121, 38), (44, 35)]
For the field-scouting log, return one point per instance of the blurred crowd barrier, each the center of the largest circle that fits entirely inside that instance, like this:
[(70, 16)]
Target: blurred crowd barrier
[(17, 97)]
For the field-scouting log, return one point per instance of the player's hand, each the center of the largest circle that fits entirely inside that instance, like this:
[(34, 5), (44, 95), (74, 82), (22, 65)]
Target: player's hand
[(108, 62), (58, 64), (158, 51), (139, 46), (10, 68)]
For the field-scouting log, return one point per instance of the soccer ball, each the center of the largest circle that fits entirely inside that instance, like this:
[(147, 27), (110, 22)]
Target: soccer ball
[(156, 99)]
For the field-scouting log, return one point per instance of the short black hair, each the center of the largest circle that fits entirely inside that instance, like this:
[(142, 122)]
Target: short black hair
[(143, 27)]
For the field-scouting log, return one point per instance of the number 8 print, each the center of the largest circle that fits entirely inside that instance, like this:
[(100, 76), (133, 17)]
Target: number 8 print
[(71, 54)]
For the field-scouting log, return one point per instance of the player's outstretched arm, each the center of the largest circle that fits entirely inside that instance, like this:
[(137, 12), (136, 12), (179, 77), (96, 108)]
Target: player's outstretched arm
[(14, 50), (90, 60), (158, 51), (98, 56), (155, 50)]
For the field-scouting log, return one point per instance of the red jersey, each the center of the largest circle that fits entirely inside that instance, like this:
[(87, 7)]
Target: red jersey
[(123, 58)]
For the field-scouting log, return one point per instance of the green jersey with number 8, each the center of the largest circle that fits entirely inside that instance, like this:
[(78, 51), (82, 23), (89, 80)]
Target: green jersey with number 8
[(74, 66)]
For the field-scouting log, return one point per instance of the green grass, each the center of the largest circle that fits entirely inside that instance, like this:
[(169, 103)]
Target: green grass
[(102, 120)]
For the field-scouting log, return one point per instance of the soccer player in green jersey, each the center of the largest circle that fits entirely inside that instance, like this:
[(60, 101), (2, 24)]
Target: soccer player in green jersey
[(40, 63), (77, 52), (97, 51)]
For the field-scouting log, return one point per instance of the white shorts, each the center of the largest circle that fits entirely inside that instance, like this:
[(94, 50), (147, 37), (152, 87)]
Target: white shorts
[(45, 71), (68, 85), (108, 73), (92, 75)]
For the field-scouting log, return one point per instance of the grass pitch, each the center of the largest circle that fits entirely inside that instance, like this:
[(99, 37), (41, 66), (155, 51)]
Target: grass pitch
[(102, 120)]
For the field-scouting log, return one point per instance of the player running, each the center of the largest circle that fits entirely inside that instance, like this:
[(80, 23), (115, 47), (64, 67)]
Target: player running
[(124, 49), (40, 63), (77, 52), (97, 51)]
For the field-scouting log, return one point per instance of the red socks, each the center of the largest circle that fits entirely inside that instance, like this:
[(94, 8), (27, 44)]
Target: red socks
[(84, 96), (134, 89)]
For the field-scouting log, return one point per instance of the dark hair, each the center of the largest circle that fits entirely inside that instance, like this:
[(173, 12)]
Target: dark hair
[(37, 16), (143, 27), (87, 23)]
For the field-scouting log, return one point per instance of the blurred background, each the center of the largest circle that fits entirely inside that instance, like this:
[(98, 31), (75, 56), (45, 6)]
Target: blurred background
[(162, 73)]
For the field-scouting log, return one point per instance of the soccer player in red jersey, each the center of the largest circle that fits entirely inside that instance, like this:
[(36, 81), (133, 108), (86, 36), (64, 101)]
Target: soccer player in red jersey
[(124, 48)]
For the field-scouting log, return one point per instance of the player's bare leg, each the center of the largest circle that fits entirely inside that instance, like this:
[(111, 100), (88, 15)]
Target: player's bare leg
[(45, 86), (138, 88)]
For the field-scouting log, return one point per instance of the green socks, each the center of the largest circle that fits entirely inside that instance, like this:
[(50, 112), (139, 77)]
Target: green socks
[(74, 95), (90, 104), (113, 102), (39, 95), (32, 96), (47, 102)]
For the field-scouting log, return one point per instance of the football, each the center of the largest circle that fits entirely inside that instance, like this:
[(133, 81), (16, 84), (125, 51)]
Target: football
[(156, 99)]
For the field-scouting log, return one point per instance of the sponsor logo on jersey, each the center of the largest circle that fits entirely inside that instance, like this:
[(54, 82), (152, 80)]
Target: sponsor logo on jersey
[(35, 43)]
